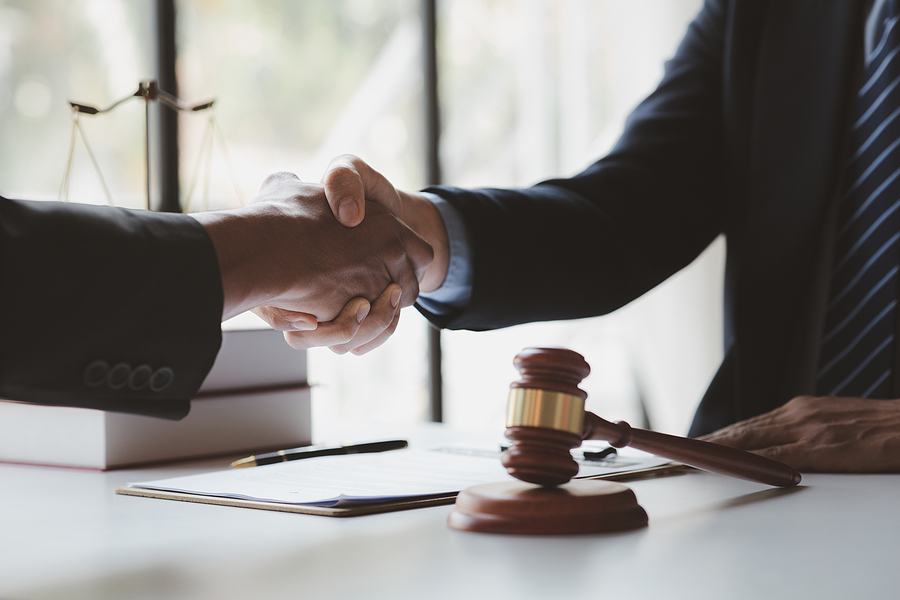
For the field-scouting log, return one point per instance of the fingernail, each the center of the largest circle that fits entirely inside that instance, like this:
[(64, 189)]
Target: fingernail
[(361, 312), (395, 297), (303, 326), (347, 211)]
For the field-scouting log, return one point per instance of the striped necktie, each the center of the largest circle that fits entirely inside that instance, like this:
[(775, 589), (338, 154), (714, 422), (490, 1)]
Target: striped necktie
[(857, 348)]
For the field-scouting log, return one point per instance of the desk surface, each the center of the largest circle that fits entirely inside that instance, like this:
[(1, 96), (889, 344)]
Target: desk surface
[(65, 534)]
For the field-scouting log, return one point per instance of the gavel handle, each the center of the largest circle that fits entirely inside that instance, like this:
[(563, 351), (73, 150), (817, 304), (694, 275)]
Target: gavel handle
[(695, 453)]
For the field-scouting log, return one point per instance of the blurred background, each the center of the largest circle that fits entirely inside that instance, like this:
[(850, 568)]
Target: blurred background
[(527, 89)]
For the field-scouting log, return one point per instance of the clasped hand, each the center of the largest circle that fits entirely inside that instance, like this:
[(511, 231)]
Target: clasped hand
[(288, 258), (361, 199)]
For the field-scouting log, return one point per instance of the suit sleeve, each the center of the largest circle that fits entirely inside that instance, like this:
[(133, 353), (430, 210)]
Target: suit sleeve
[(584, 246), (106, 308)]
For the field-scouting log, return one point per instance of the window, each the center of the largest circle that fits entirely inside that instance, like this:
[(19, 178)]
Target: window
[(298, 83), (92, 51), (537, 89)]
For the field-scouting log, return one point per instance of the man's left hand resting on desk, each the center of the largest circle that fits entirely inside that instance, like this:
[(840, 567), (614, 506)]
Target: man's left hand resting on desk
[(837, 435)]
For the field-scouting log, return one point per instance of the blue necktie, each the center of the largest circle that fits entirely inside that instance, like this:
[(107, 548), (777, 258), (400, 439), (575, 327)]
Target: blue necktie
[(857, 348)]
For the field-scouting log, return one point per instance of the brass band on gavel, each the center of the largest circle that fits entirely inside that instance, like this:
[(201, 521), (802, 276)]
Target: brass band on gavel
[(532, 407)]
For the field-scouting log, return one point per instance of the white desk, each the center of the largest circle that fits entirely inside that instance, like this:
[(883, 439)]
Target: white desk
[(65, 534)]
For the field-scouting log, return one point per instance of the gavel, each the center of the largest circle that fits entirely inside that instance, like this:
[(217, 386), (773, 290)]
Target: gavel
[(546, 418)]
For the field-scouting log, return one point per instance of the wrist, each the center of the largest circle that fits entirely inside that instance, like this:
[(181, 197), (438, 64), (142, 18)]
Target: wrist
[(234, 237), (422, 217)]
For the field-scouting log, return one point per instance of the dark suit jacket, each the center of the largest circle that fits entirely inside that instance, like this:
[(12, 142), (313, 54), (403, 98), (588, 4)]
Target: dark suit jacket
[(743, 137), (106, 308)]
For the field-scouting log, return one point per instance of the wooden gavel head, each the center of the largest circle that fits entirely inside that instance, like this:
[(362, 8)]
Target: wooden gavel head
[(545, 415)]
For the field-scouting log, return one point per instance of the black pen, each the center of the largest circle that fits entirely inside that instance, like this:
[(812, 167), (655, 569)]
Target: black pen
[(312, 451)]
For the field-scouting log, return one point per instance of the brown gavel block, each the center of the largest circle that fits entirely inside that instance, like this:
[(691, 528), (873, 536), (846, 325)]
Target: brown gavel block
[(580, 506), (545, 420)]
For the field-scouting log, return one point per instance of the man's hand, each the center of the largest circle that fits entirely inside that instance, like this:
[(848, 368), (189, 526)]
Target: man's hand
[(837, 435), (287, 252), (351, 186), (359, 328)]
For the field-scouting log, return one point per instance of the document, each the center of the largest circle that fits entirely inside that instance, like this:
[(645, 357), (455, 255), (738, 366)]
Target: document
[(342, 481)]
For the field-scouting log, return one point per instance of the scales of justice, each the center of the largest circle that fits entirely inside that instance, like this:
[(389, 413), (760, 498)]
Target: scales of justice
[(545, 418), (151, 93)]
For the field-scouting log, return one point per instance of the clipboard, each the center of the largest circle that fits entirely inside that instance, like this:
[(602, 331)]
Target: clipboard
[(366, 508), (363, 508)]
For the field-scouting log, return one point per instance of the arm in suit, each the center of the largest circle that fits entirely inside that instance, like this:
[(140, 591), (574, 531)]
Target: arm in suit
[(120, 310), (106, 308), (583, 246), (586, 245)]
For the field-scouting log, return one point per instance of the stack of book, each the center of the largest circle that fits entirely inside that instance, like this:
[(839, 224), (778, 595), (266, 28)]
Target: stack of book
[(255, 398)]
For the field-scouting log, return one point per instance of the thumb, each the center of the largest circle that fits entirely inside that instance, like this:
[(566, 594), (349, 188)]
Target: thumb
[(344, 190), (349, 182)]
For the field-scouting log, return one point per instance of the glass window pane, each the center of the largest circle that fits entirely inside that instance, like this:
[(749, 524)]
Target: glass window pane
[(533, 89), (90, 51), (295, 84)]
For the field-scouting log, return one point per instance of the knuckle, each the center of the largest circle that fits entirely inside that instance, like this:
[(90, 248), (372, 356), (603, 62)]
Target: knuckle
[(339, 174), (274, 317), (296, 341), (267, 315), (392, 326), (383, 320), (353, 161), (366, 348), (410, 293), (773, 452), (348, 157), (343, 332), (280, 176), (344, 336)]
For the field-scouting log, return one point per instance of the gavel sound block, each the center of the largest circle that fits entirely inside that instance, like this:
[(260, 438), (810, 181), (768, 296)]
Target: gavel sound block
[(545, 419)]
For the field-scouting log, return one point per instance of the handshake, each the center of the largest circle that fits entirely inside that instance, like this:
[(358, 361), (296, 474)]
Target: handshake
[(329, 264)]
